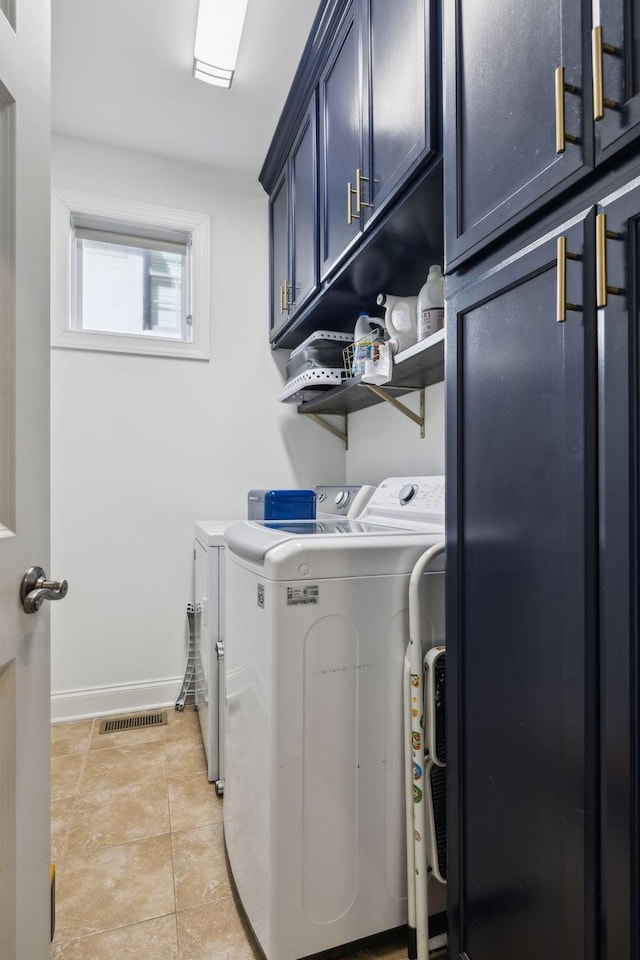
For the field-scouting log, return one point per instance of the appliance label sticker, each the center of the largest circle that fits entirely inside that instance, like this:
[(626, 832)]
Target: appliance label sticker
[(298, 596), (261, 595)]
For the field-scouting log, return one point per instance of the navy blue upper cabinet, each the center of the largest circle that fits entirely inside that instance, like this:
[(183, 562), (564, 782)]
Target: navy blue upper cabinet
[(535, 97), (402, 56), (293, 210), (279, 231), (616, 57), (362, 166), (342, 172), (502, 142), (303, 167), (377, 122)]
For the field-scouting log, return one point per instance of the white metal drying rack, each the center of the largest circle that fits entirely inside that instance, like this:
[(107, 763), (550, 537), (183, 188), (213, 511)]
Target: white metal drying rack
[(188, 689), (415, 800)]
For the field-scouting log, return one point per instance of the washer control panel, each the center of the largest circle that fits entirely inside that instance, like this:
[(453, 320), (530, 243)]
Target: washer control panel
[(338, 500), (408, 492), (419, 499)]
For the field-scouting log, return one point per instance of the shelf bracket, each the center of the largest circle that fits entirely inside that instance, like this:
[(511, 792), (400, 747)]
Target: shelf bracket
[(340, 434), (384, 395)]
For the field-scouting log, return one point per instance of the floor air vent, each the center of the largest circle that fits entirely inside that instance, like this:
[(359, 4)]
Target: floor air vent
[(133, 722)]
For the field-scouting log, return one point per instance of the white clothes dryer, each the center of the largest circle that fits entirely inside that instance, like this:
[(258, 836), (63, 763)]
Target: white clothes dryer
[(317, 627), (208, 590)]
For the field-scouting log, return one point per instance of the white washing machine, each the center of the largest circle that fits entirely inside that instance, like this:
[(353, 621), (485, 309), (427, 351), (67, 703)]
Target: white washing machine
[(209, 618), (317, 627), (208, 583)]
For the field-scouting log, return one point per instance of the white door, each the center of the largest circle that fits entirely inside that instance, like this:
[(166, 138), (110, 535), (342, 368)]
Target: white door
[(24, 476)]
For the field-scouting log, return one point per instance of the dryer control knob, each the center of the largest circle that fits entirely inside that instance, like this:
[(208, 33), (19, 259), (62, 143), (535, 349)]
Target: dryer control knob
[(407, 492), (342, 498)]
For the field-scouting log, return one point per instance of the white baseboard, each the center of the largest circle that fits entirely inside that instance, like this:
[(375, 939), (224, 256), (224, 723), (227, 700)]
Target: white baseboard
[(122, 698)]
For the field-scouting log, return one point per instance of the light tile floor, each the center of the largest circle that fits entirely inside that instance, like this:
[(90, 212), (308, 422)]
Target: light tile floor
[(138, 847)]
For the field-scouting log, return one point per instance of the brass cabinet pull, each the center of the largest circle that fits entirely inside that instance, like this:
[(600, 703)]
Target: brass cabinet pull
[(561, 312), (561, 89), (284, 295), (357, 191), (359, 201), (601, 260), (288, 304), (602, 235), (598, 48), (562, 256), (351, 216)]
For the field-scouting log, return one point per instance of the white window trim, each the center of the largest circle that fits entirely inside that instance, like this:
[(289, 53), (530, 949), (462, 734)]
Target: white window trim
[(66, 202)]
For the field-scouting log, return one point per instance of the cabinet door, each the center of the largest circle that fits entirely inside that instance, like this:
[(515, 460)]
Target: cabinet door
[(304, 206), (500, 130), (521, 611), (401, 85), (279, 233), (619, 369), (340, 141), (620, 21)]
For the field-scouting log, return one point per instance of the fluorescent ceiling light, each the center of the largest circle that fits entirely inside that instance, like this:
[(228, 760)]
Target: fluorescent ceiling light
[(218, 35)]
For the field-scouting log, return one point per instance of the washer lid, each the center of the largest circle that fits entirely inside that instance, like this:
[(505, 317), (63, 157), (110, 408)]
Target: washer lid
[(253, 539)]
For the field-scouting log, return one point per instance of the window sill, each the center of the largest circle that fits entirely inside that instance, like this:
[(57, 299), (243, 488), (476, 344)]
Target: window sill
[(119, 343)]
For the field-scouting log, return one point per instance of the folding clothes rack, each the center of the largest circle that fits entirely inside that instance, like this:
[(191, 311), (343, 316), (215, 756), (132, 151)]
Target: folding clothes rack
[(188, 689), (415, 794)]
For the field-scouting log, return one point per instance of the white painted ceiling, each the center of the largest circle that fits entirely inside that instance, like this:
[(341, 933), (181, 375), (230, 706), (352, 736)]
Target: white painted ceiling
[(121, 74)]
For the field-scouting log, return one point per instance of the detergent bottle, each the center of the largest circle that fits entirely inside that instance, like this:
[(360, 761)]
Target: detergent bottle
[(400, 318), (431, 303), (368, 330)]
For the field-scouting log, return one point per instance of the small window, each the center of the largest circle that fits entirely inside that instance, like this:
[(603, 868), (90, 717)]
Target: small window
[(132, 285), (129, 283)]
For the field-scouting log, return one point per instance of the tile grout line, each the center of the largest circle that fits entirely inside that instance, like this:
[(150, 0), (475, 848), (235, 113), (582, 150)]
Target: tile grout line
[(119, 926), (76, 795), (173, 862), (173, 859)]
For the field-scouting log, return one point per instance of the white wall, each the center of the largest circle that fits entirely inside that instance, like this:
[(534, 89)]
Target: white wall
[(142, 447), (385, 443)]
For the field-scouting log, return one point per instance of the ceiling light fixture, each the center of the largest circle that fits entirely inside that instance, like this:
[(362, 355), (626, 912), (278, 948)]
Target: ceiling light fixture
[(218, 35)]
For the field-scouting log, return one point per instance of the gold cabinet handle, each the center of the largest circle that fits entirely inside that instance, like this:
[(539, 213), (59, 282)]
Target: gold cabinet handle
[(561, 88), (601, 260), (562, 256), (598, 48), (359, 201), (284, 292), (602, 235), (351, 216), (561, 294), (288, 304)]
